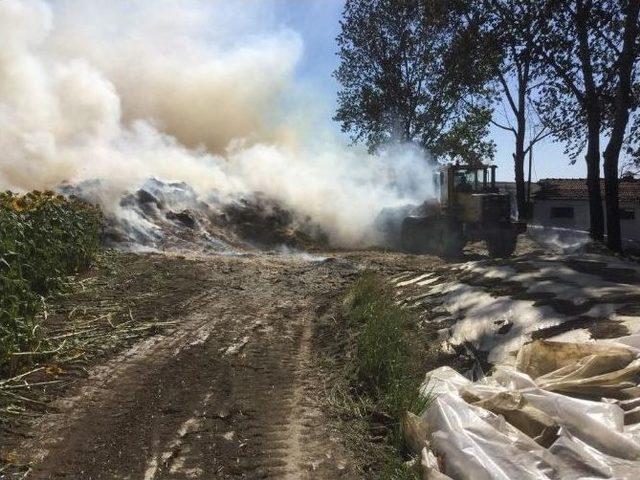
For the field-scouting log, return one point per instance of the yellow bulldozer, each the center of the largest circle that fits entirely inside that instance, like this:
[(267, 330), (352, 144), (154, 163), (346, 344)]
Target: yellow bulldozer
[(471, 208)]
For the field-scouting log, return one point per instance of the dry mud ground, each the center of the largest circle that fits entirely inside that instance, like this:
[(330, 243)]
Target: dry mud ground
[(234, 390), (237, 387)]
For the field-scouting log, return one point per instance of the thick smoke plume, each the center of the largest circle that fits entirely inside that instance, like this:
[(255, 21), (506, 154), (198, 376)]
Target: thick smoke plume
[(194, 91)]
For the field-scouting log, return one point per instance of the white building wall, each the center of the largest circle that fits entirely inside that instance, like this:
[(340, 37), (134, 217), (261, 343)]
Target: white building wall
[(631, 228), (580, 220)]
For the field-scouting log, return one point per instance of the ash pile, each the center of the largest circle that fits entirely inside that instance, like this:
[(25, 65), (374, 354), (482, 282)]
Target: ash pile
[(171, 216)]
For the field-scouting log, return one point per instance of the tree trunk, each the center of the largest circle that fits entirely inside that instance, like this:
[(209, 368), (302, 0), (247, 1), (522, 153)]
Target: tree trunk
[(521, 195), (518, 157), (591, 105), (521, 132), (614, 237), (622, 104), (596, 215)]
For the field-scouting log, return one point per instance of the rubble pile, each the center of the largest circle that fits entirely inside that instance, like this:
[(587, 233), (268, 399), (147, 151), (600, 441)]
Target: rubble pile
[(564, 411)]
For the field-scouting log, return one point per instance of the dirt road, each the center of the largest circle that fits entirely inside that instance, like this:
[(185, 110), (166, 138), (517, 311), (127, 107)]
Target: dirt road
[(237, 389), (230, 393)]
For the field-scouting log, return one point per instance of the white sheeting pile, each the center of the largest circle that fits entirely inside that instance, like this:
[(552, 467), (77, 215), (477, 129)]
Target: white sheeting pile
[(566, 411), (478, 313)]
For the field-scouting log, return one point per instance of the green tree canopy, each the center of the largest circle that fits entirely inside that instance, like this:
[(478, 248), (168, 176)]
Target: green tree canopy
[(407, 76)]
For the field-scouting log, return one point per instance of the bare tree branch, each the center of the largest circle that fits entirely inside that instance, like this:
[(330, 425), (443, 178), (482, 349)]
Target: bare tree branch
[(503, 127), (507, 92)]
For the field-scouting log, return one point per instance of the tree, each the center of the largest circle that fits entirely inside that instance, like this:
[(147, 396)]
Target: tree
[(510, 27), (587, 55), (630, 170), (626, 60), (572, 63), (400, 77), (465, 141)]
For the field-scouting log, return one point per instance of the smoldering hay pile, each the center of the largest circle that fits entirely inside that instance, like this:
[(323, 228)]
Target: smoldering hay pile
[(172, 216), (195, 103)]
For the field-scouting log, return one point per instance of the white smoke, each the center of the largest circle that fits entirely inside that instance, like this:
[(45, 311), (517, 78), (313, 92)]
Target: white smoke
[(559, 240), (195, 91)]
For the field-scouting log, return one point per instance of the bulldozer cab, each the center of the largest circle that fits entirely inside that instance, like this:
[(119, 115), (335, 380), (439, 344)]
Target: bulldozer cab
[(471, 208), (466, 179)]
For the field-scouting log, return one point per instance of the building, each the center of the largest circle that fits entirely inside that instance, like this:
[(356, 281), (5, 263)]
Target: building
[(564, 203), (510, 188)]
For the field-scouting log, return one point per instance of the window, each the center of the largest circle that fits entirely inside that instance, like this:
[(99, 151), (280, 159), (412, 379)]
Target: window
[(561, 212), (464, 181), (627, 214)]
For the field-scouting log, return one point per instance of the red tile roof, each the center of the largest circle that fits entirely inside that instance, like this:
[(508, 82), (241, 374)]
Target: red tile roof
[(576, 189)]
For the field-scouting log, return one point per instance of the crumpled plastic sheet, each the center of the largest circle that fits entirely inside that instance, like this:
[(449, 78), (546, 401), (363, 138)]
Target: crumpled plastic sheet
[(595, 369), (430, 467), (465, 432)]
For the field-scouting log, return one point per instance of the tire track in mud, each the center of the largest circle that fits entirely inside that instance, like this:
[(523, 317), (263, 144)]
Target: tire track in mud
[(263, 422), (103, 384), (233, 393)]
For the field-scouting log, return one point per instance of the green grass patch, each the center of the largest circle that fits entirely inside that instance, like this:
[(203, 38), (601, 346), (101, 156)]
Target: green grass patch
[(384, 366), (43, 238), (395, 468)]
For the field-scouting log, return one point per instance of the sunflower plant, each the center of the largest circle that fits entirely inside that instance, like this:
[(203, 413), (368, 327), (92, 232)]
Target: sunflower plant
[(43, 238)]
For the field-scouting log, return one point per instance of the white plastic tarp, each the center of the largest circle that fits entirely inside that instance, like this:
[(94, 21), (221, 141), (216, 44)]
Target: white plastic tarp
[(591, 438)]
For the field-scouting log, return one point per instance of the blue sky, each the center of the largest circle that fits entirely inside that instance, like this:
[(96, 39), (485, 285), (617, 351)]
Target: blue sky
[(317, 22)]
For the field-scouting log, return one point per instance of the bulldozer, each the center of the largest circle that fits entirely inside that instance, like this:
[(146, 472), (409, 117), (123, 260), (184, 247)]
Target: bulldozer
[(471, 208)]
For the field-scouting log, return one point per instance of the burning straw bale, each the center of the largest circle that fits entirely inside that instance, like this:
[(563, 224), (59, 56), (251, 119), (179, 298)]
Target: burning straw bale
[(264, 222), (172, 216)]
